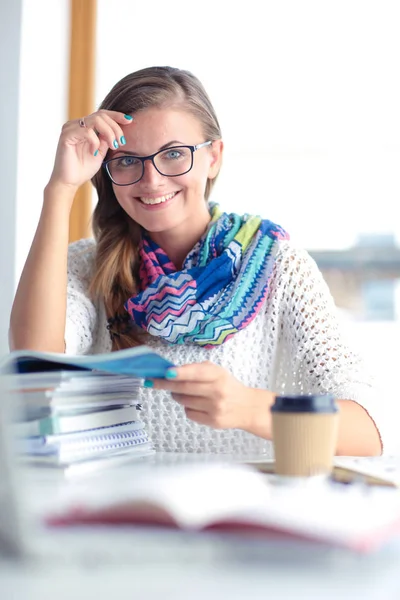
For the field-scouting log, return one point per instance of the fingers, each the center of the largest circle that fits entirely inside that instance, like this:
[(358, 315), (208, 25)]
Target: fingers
[(198, 403), (94, 142), (96, 145), (199, 417), (207, 411), (101, 148), (106, 125), (197, 372), (187, 388), (196, 409), (198, 379), (102, 130), (117, 116)]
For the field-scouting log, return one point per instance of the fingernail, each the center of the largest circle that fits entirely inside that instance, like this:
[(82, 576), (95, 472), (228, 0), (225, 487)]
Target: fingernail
[(171, 374), (148, 383), (128, 117), (122, 140), (96, 153), (115, 144)]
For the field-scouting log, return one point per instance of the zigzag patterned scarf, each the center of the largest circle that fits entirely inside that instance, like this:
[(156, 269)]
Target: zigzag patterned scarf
[(220, 289)]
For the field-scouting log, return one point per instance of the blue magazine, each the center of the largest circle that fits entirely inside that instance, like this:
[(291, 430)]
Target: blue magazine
[(140, 361)]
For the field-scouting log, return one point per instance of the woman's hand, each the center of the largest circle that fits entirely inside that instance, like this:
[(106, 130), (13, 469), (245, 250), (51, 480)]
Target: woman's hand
[(83, 145), (211, 396)]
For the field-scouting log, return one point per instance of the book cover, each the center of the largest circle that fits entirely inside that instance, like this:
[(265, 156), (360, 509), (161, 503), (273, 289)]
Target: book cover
[(139, 362), (68, 423)]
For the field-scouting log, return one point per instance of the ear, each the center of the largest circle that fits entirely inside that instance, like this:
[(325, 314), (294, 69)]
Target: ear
[(216, 152)]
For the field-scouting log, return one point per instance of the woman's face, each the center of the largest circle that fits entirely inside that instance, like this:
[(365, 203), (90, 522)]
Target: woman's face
[(159, 203)]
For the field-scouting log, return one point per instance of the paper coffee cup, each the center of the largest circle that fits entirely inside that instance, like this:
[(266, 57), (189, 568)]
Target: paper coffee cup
[(304, 430)]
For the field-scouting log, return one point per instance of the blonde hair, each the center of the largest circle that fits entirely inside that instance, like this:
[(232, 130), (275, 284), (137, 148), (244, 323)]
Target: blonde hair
[(117, 235)]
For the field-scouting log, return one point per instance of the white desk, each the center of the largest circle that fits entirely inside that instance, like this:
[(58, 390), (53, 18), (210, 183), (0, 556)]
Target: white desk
[(156, 563)]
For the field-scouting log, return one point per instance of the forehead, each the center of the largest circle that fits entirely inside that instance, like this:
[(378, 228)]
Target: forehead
[(154, 127)]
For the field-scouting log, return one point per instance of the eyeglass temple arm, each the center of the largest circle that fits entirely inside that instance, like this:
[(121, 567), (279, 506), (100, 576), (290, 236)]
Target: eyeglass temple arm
[(202, 145)]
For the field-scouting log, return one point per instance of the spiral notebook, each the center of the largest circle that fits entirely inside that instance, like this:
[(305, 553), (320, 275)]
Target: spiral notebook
[(59, 450)]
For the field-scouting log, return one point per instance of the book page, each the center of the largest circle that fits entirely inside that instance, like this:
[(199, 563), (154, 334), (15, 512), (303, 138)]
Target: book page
[(193, 495), (199, 496)]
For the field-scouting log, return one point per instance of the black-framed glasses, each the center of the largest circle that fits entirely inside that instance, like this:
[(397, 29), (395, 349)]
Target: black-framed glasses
[(128, 169)]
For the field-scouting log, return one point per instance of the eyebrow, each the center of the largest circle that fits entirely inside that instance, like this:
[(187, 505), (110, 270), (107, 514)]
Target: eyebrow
[(164, 147)]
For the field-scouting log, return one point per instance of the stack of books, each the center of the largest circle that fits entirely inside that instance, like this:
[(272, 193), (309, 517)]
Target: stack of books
[(80, 409)]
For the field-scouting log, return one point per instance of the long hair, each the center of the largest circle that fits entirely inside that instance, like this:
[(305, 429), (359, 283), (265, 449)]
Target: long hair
[(117, 236)]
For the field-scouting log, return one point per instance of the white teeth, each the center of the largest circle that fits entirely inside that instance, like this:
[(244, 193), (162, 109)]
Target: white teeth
[(157, 200)]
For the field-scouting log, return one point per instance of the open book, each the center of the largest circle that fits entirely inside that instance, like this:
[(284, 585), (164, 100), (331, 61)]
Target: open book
[(140, 361), (235, 497)]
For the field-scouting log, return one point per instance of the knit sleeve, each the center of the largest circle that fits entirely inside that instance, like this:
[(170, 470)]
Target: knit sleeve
[(82, 314), (321, 360)]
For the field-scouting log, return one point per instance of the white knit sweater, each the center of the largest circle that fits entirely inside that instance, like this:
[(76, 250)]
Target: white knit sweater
[(294, 345)]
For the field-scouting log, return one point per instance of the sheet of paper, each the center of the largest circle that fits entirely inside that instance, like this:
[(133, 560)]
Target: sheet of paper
[(386, 468)]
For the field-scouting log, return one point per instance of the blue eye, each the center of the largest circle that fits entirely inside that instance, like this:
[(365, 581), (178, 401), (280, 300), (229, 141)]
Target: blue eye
[(173, 154), (126, 161)]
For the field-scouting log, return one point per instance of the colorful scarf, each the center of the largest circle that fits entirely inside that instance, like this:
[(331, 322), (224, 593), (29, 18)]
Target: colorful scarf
[(220, 289)]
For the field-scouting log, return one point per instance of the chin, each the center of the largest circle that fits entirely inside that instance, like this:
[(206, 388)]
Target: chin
[(158, 225)]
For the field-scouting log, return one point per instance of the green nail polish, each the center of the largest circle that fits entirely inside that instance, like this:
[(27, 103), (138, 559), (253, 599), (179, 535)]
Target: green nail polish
[(123, 140), (96, 153), (128, 117), (115, 144), (148, 383), (171, 374)]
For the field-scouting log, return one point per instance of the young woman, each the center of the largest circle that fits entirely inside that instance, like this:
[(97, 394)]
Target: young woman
[(228, 299)]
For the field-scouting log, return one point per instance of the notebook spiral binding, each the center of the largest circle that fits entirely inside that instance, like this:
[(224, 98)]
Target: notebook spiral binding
[(70, 452), (95, 440)]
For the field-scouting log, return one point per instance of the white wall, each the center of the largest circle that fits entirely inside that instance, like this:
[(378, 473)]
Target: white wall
[(10, 34), (34, 37), (307, 93), (43, 108)]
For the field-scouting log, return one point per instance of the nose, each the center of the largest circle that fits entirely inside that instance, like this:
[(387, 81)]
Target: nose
[(151, 176)]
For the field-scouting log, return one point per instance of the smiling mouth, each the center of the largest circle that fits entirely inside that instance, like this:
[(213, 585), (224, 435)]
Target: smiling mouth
[(159, 200)]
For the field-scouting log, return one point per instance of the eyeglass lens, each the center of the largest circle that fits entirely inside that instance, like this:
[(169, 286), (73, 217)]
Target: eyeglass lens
[(126, 170)]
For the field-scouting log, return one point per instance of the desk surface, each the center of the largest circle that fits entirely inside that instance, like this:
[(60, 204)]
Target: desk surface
[(154, 563)]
